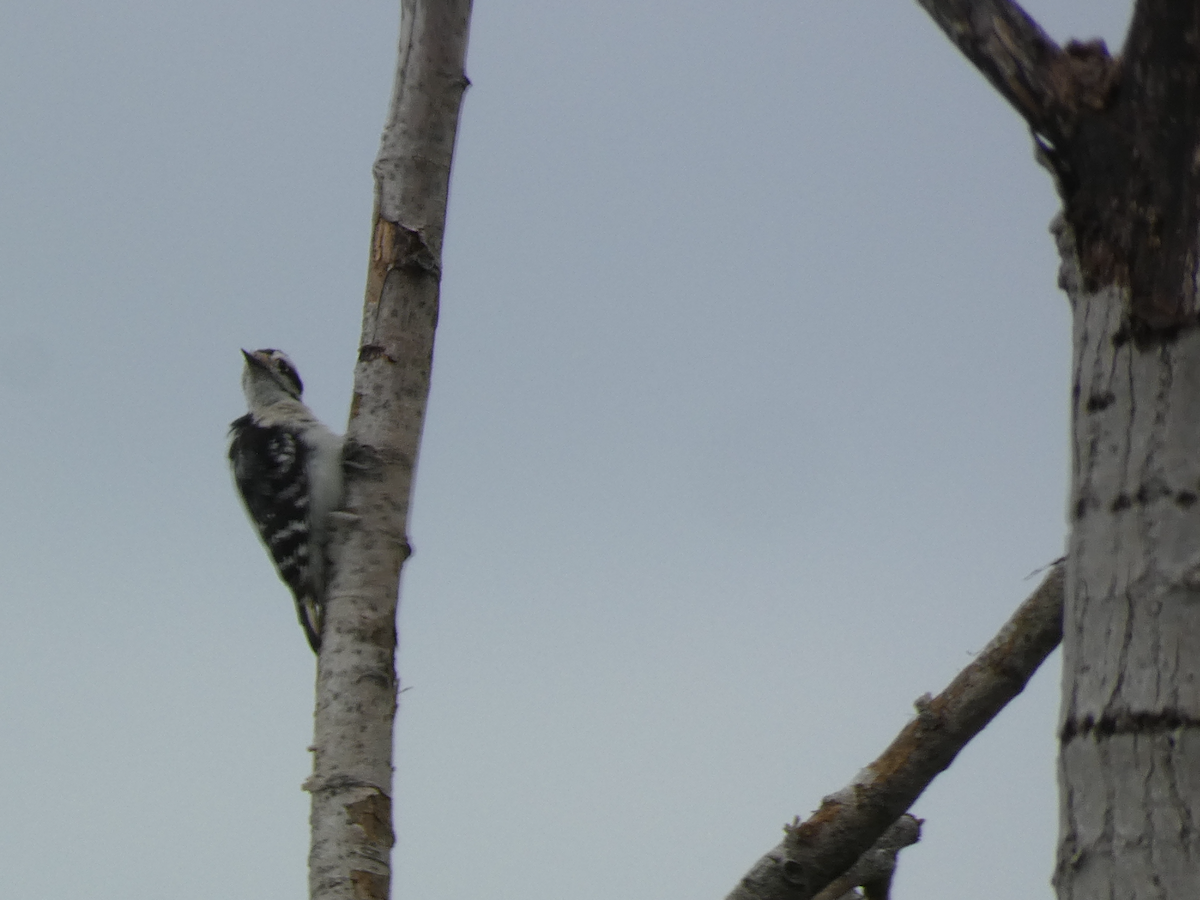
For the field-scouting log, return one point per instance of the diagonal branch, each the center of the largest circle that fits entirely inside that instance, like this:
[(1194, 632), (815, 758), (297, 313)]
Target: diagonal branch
[(1010, 49), (815, 852)]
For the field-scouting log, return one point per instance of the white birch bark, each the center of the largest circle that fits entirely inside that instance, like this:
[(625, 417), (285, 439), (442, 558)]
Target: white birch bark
[(1129, 766), (351, 784)]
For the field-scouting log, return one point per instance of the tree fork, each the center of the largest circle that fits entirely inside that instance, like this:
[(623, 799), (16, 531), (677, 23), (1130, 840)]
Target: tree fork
[(351, 784), (1120, 134)]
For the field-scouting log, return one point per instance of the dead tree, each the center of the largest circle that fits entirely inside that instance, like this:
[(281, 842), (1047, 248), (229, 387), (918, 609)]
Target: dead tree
[(1121, 137)]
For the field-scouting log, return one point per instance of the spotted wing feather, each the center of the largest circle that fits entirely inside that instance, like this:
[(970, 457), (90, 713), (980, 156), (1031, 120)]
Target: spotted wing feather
[(269, 469)]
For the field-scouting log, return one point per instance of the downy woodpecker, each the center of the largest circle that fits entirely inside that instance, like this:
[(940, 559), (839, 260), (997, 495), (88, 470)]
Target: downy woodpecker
[(288, 470)]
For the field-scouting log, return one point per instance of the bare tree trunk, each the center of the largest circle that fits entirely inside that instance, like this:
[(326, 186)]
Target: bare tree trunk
[(1122, 138), (351, 783), (1129, 767)]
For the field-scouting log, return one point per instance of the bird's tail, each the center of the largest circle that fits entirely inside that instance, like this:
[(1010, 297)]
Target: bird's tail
[(312, 618)]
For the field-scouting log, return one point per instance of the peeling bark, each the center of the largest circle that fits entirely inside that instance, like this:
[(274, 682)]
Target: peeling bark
[(351, 784)]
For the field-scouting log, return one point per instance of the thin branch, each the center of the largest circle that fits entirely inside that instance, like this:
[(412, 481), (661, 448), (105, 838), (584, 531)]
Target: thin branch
[(814, 852), (1010, 49), (874, 869)]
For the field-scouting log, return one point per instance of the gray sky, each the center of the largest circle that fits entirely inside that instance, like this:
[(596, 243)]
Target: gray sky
[(748, 425)]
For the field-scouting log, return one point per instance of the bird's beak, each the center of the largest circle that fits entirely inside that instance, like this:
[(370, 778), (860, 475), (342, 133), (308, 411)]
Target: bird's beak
[(253, 359)]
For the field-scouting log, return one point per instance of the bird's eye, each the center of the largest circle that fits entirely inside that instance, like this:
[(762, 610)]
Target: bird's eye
[(285, 369)]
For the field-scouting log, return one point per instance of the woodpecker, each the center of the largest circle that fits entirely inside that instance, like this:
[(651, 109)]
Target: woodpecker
[(287, 467)]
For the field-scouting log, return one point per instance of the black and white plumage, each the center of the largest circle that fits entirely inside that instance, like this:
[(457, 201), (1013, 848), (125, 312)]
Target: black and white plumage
[(288, 470)]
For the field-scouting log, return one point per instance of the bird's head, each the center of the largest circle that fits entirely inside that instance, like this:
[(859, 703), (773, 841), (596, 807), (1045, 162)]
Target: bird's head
[(269, 376)]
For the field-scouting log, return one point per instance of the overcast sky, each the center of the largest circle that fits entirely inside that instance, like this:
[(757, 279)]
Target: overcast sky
[(748, 427)]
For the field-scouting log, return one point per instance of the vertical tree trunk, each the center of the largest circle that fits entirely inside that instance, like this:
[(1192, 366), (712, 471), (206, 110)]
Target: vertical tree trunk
[(1129, 767), (1121, 135), (351, 784)]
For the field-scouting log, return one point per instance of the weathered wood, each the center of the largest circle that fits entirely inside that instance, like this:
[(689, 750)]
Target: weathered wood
[(1120, 135), (1010, 49)]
